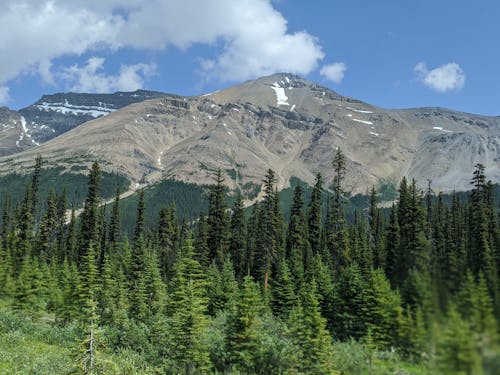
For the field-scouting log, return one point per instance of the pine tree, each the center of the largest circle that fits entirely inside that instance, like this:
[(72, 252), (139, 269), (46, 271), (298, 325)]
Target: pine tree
[(28, 286), (187, 308), (350, 300), (222, 288), (237, 247), (456, 350), (168, 239), (308, 331), (139, 245), (269, 237), (48, 227), (381, 310), (218, 221), (243, 325), (314, 215), (481, 255), (35, 185), (202, 253), (90, 223), (297, 244), (89, 285), (339, 241), (114, 235), (283, 296)]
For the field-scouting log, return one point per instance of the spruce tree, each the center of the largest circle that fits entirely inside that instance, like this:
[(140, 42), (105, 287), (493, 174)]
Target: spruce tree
[(90, 223), (218, 221), (187, 306), (314, 215), (339, 241), (237, 246), (283, 296), (168, 240), (308, 331), (269, 237)]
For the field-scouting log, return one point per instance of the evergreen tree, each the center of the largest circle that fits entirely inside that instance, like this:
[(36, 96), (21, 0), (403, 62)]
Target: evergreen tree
[(218, 220), (35, 185), (297, 244), (314, 215), (283, 297), (308, 331), (168, 239), (350, 300), (381, 311), (339, 241), (114, 235), (269, 241), (237, 247), (481, 255), (48, 227), (90, 223), (202, 253), (456, 350), (187, 307), (222, 288), (243, 325)]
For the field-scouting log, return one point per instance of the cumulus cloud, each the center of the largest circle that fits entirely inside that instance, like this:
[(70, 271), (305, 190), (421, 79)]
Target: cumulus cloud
[(334, 72), (91, 78), (444, 78), (4, 95), (249, 37)]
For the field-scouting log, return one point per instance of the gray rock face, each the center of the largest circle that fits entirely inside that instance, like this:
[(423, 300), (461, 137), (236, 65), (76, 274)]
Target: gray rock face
[(285, 123), (14, 134), (55, 114)]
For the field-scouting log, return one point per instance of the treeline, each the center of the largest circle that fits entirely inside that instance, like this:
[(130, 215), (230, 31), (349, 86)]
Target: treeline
[(264, 294)]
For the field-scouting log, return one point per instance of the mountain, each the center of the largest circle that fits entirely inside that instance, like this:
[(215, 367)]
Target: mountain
[(55, 114), (282, 122)]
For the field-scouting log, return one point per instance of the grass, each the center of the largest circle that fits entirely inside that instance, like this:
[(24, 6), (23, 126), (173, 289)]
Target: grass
[(30, 346)]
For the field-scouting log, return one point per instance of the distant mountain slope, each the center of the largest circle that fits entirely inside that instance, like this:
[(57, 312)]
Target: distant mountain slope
[(281, 122), (55, 114)]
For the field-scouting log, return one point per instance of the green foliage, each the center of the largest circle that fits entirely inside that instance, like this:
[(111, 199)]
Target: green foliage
[(154, 305), (58, 179)]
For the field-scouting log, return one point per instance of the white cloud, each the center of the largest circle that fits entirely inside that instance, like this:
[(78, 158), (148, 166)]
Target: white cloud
[(334, 72), (250, 37), (444, 78), (90, 77), (4, 95)]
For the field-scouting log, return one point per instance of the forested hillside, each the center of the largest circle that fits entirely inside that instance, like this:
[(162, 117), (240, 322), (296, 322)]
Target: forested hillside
[(410, 290)]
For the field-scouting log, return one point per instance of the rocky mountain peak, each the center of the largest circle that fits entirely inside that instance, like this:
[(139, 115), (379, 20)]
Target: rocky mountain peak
[(282, 122)]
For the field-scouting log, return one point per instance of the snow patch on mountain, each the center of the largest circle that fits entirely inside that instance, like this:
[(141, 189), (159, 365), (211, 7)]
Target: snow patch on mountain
[(67, 108), (281, 98), (440, 128), (363, 121), (359, 110)]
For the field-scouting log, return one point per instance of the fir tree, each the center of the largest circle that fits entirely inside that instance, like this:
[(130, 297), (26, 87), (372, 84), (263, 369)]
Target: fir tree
[(218, 220), (90, 230), (283, 296), (168, 238), (237, 247), (308, 331), (314, 215), (187, 308)]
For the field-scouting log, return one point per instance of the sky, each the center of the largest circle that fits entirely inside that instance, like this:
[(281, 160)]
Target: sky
[(389, 53)]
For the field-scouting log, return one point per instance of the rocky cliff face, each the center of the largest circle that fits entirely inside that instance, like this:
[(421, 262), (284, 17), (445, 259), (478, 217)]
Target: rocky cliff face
[(285, 123), (14, 133)]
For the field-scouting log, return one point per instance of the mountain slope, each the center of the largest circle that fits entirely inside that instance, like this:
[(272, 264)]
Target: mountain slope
[(55, 114), (281, 122)]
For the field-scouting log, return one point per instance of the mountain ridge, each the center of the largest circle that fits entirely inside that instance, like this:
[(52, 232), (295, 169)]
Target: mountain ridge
[(285, 123)]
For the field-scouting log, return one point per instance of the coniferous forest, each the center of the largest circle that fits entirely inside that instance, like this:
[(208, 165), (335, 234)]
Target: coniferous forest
[(408, 289)]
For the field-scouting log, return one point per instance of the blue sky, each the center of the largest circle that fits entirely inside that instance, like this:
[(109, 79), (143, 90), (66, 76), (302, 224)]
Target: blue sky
[(391, 53)]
